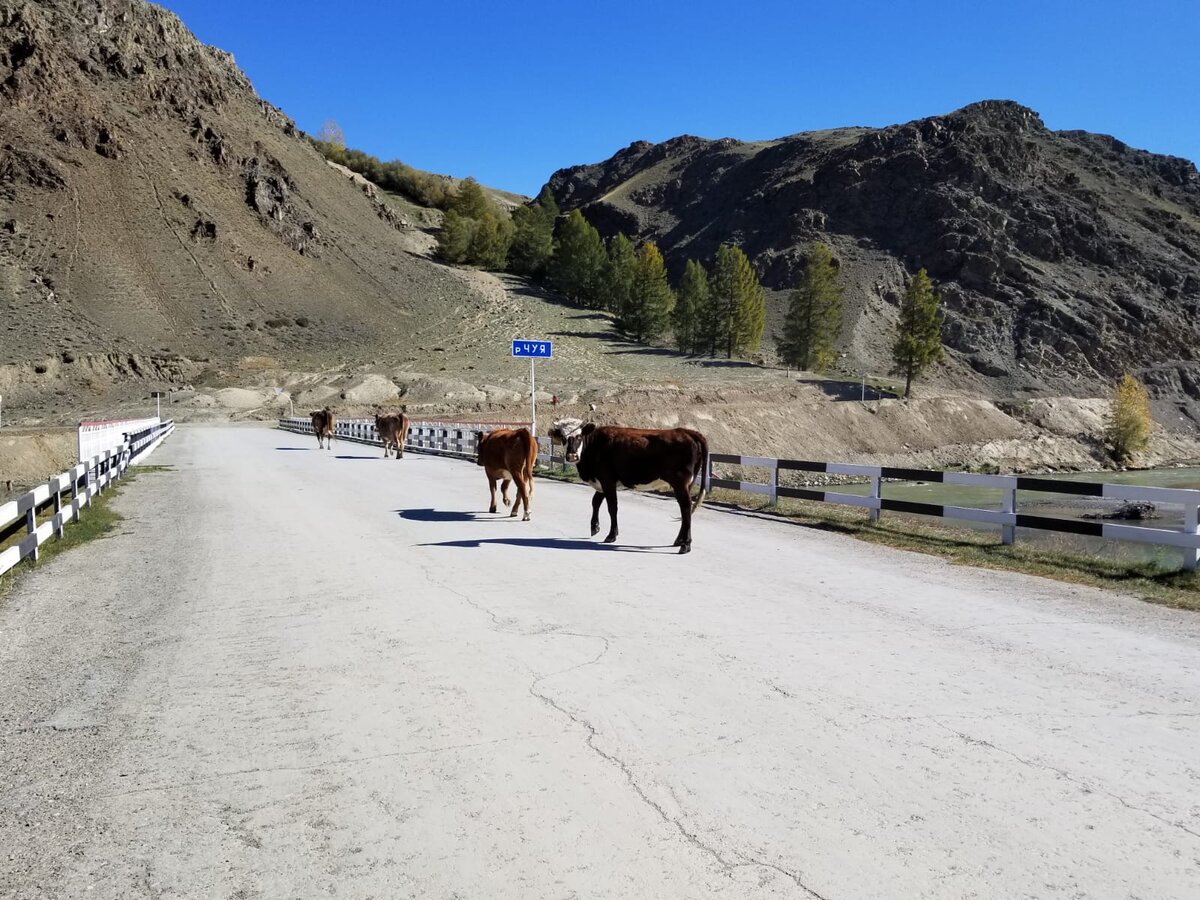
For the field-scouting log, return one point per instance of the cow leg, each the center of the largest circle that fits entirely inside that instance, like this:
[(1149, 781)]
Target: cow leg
[(492, 488), (684, 541), (519, 496), (504, 492), (523, 488), (610, 494), (597, 499)]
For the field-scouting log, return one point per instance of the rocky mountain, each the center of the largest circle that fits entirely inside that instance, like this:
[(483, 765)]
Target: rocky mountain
[(1065, 258), (154, 210)]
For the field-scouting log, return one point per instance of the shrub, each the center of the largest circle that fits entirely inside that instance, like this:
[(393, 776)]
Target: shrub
[(1127, 427)]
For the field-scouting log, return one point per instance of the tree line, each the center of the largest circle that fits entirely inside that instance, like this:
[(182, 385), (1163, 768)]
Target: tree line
[(720, 310)]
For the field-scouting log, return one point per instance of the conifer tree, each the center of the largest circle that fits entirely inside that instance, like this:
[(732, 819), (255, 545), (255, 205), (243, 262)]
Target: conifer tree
[(490, 241), (739, 305), (650, 298), (533, 235), (577, 266), (1127, 426), (691, 307), (471, 201), (919, 332), (814, 316), (617, 279), (454, 238)]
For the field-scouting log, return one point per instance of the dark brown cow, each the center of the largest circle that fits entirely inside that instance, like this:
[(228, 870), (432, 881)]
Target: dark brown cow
[(608, 457), (323, 424), (393, 431), (508, 454)]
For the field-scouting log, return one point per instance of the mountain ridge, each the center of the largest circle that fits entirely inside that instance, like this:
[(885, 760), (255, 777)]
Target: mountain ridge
[(1019, 225)]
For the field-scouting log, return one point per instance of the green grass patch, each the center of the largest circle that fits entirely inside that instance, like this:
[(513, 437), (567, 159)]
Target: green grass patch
[(1154, 581)]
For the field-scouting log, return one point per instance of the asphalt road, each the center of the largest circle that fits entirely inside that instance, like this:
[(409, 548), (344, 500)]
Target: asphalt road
[(302, 673)]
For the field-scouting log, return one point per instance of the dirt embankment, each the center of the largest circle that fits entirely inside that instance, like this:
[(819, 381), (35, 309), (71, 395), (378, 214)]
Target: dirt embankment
[(29, 457)]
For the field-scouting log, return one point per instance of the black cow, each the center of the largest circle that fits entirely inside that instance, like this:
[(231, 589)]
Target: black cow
[(608, 457)]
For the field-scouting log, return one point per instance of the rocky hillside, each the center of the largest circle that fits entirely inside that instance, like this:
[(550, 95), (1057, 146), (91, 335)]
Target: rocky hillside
[(1064, 257), (154, 207)]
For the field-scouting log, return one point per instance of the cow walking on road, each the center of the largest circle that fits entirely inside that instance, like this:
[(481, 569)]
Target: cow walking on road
[(608, 457), (393, 431), (323, 424), (506, 455)]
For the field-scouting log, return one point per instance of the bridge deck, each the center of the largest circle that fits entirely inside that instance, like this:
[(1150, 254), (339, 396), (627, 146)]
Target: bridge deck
[(298, 672)]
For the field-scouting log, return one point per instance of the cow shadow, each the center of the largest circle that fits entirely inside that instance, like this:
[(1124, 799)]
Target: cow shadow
[(341, 456), (551, 544), (443, 515), (294, 448)]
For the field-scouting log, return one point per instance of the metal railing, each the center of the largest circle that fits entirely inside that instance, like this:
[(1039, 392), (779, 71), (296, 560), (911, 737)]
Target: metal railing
[(65, 496), (441, 438), (1008, 517)]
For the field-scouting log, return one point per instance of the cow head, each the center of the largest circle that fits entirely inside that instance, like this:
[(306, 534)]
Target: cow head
[(571, 433)]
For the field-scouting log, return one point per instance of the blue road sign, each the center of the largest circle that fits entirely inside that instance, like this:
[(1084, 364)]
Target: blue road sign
[(533, 349)]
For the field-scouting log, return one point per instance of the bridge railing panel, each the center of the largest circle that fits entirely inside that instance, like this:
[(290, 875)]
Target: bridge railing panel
[(63, 498), (1008, 517)]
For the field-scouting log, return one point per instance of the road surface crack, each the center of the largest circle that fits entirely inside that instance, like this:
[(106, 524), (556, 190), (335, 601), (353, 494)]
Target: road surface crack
[(1067, 776), (692, 838)]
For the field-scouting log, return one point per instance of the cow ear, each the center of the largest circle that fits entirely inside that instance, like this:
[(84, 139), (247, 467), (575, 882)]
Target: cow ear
[(588, 428)]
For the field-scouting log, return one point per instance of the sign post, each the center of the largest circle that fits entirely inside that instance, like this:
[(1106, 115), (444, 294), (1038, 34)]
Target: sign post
[(534, 350), (158, 395)]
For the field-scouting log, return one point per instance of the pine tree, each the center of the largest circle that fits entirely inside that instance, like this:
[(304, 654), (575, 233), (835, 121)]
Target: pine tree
[(470, 200), (617, 279), (739, 306), (691, 305), (454, 238), (577, 266), (650, 298), (533, 235), (1127, 426), (814, 316), (490, 241), (919, 331)]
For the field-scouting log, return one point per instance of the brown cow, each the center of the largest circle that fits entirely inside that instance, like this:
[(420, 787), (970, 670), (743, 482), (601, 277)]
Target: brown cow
[(323, 425), (393, 431), (608, 457), (508, 454)]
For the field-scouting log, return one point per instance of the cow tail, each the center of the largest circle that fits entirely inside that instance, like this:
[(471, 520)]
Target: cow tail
[(703, 442)]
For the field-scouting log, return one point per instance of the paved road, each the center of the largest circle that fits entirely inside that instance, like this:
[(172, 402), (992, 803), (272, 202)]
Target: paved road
[(297, 673)]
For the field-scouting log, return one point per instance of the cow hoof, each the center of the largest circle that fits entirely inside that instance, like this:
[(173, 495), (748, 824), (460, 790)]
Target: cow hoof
[(492, 509), (513, 514), (525, 518), (595, 530), (685, 548), (611, 539)]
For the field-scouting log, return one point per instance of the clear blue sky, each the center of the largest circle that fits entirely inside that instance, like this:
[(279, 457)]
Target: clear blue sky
[(510, 91)]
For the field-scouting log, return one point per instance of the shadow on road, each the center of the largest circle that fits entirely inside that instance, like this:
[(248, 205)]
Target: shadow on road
[(293, 448), (446, 515), (551, 544), (358, 457)]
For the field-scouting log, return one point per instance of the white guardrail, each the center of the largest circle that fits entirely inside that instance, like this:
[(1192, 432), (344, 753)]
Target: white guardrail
[(458, 439), (65, 496), (1007, 517), (425, 436)]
